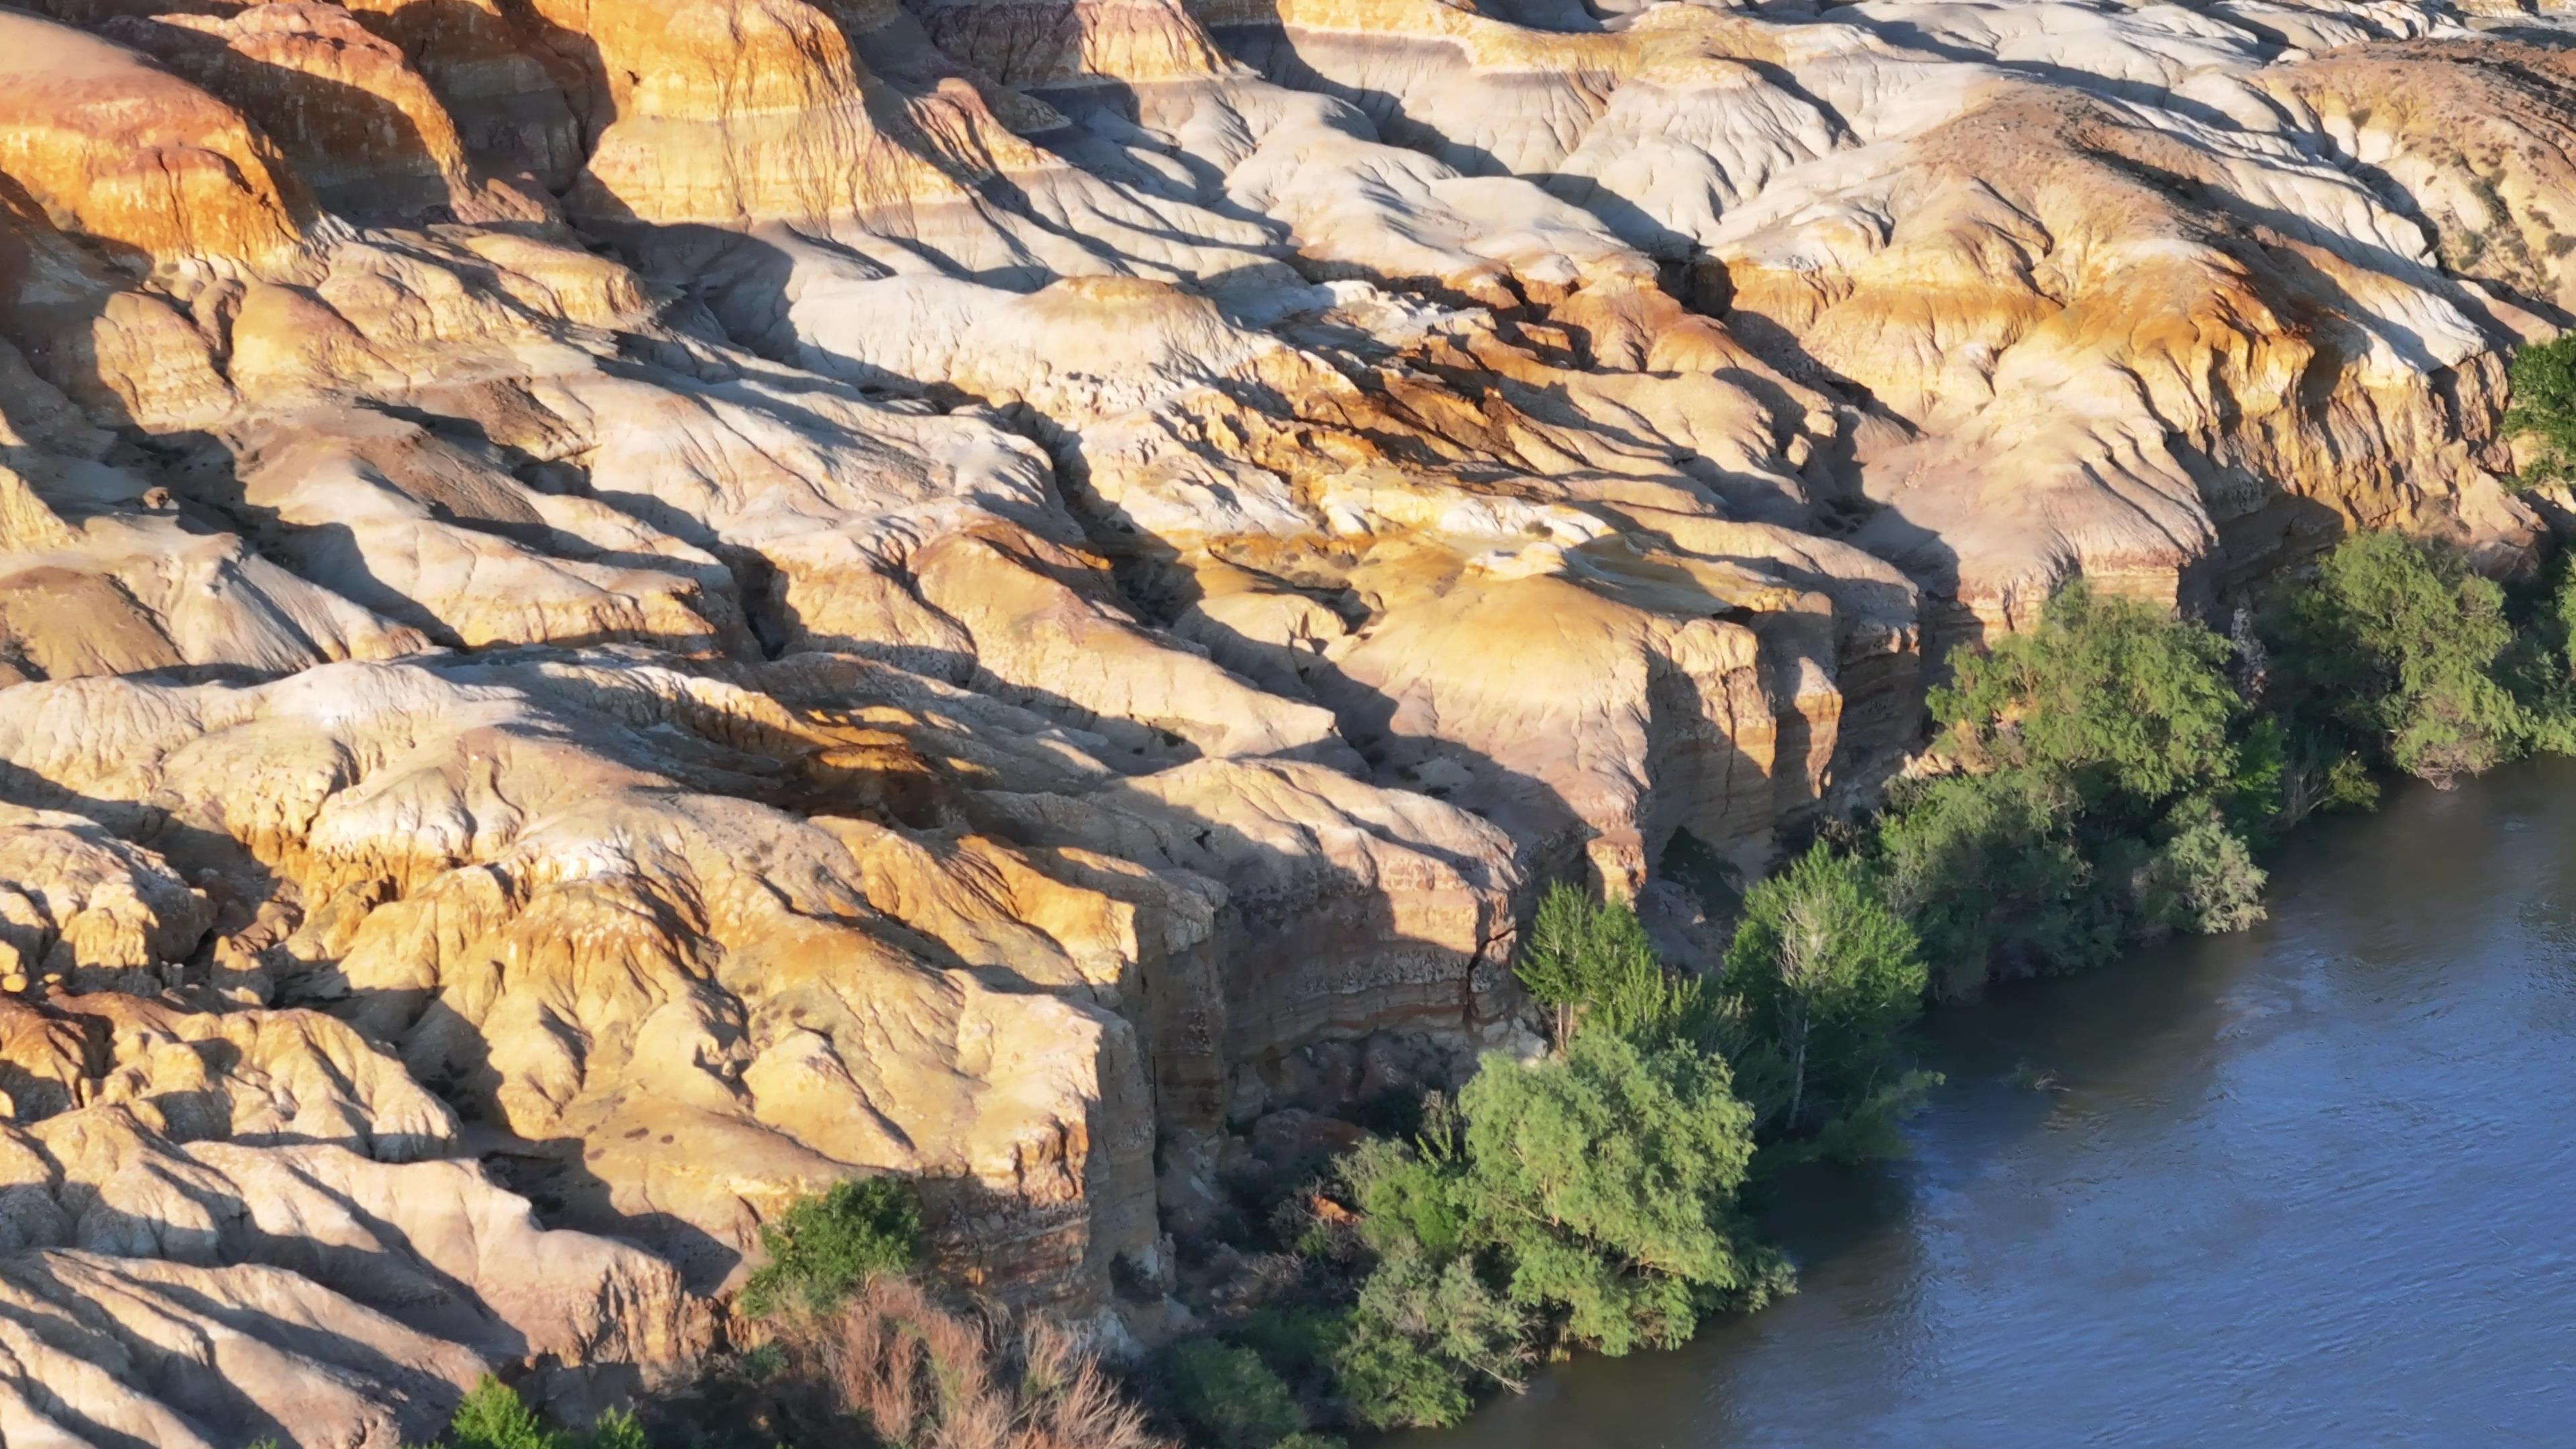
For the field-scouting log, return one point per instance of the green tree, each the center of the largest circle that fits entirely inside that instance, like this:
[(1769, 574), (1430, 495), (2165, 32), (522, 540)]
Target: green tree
[(1447, 1307), (2124, 703), (493, 1416), (824, 1247), (2543, 381), (2396, 647), (2203, 879), (2540, 667), (1830, 976), (1592, 962), (1228, 1397), (2105, 771), (1989, 871), (1606, 1179)]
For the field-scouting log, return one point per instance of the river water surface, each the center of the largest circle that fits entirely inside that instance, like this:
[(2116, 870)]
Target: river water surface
[(2309, 1185)]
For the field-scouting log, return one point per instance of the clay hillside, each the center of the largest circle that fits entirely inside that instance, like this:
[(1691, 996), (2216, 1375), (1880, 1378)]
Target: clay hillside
[(614, 611)]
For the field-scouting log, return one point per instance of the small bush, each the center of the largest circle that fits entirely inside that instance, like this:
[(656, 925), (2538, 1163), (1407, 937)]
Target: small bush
[(1390, 1382), (1405, 1198), (493, 1416), (615, 1430), (2202, 880), (2315, 773), (1447, 1315), (1865, 1130), (824, 1248), (1298, 1342), (1228, 1397)]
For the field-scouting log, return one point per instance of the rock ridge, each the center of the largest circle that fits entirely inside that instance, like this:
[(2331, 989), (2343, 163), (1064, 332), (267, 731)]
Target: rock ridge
[(614, 611)]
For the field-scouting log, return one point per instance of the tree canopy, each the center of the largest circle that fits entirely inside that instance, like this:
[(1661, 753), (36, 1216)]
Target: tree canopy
[(1829, 975)]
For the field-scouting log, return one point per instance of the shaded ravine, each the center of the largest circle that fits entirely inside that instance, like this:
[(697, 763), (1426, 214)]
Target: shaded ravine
[(2308, 1185)]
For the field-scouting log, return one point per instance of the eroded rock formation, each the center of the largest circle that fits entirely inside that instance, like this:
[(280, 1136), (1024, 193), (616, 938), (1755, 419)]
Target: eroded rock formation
[(614, 610)]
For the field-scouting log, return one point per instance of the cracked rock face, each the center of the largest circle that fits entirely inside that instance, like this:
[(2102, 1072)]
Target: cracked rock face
[(612, 611)]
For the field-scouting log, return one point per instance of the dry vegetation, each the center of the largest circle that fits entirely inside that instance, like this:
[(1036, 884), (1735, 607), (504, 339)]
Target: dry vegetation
[(892, 1365)]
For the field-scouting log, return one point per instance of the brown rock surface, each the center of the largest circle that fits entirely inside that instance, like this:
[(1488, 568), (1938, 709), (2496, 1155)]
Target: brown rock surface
[(149, 168), (611, 611)]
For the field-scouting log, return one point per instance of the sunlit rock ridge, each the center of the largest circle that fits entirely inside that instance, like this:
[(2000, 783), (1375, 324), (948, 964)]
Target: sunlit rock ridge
[(614, 610)]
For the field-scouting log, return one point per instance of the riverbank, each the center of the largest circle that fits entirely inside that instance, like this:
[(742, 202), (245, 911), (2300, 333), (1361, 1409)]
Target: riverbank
[(2103, 781), (2294, 1186), (2099, 783)]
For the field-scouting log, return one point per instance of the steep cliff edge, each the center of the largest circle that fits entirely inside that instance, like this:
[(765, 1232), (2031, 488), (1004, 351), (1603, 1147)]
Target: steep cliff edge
[(611, 611)]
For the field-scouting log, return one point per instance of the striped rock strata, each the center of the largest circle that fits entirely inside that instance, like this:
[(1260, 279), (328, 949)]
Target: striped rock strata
[(613, 611)]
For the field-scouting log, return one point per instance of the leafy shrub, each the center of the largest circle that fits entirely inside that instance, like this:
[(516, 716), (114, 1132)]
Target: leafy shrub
[(2544, 407), (2204, 880), (615, 1430), (2395, 648), (1228, 1397), (1406, 1197), (1865, 1129), (2554, 630), (1592, 963), (1988, 870), (493, 1416), (2311, 771), (1606, 1180), (1297, 1340), (1391, 1382), (1829, 975), (2122, 703), (1373, 1357), (823, 1248), (1440, 1314), (2348, 785)]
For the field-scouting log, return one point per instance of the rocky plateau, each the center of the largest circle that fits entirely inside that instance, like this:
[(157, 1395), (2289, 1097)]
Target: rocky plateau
[(612, 611)]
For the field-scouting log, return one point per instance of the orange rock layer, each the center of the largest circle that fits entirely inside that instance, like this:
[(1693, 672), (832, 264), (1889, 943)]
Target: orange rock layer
[(611, 612)]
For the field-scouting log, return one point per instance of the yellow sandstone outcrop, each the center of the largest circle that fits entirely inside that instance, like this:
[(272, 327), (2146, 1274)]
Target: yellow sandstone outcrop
[(614, 611)]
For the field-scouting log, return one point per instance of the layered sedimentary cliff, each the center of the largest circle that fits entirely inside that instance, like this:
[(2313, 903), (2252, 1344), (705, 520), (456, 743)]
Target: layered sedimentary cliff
[(614, 610)]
